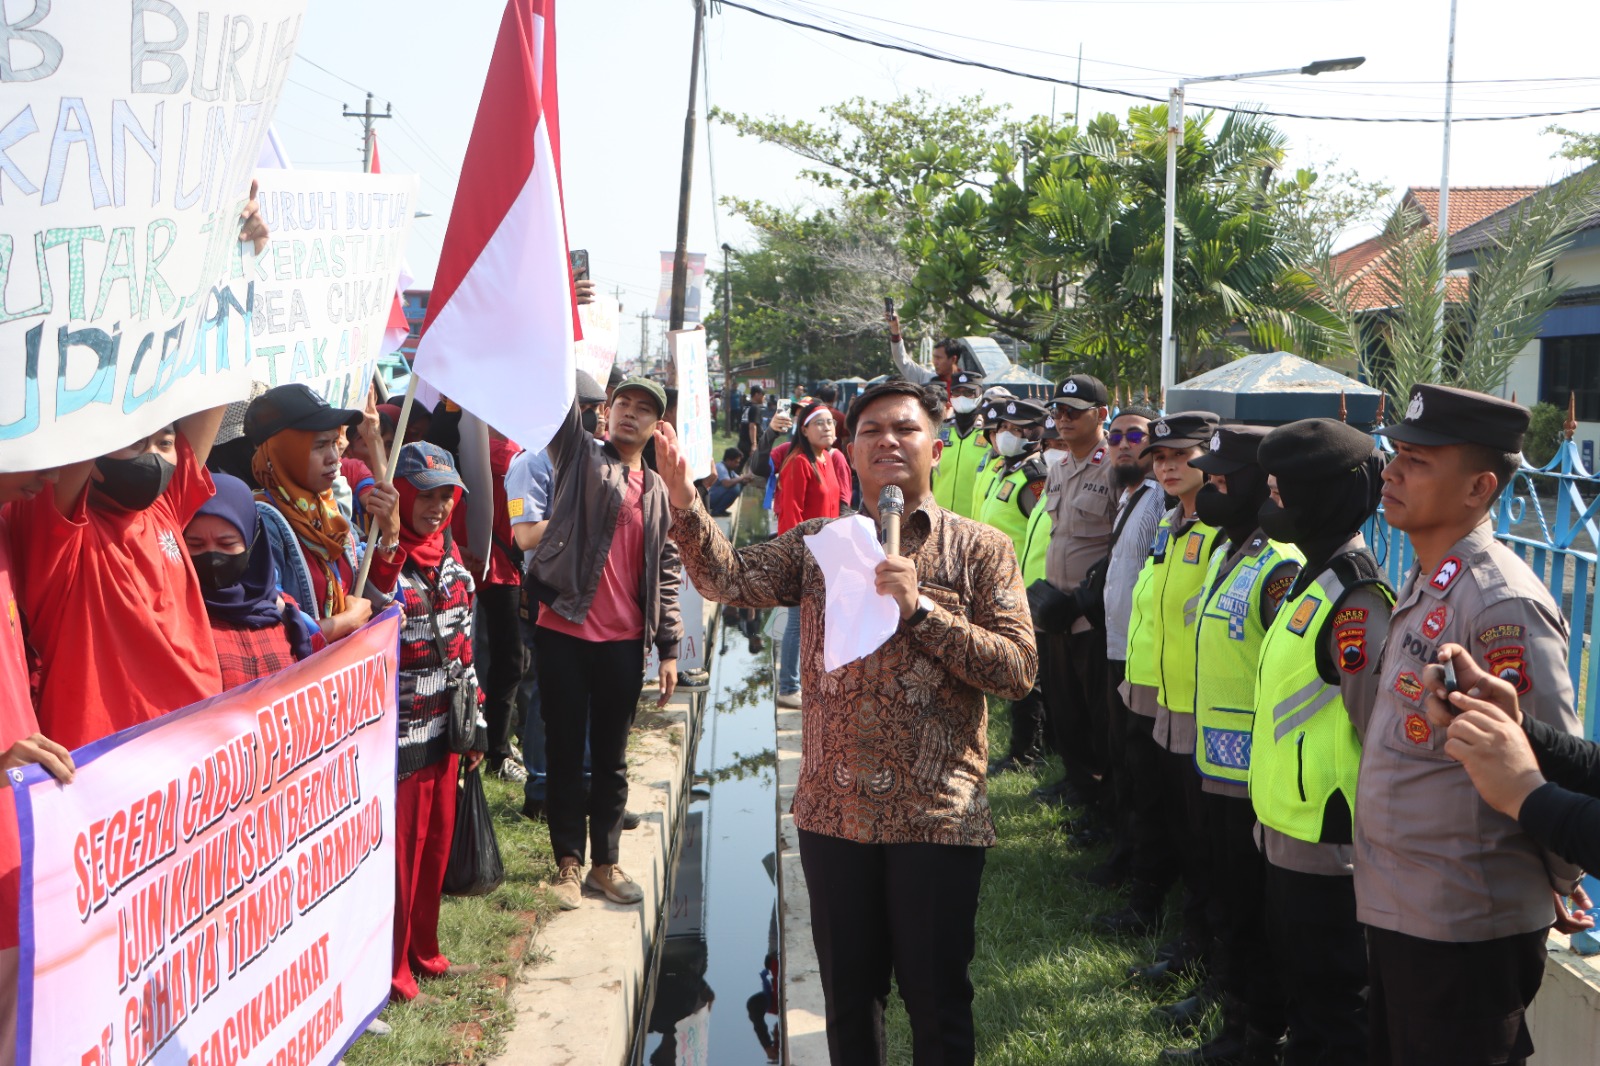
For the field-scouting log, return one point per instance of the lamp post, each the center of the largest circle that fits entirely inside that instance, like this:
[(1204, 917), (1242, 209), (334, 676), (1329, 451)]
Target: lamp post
[(727, 332), (1169, 346)]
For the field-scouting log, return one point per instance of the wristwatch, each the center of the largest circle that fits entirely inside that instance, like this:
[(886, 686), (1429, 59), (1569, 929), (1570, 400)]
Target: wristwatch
[(924, 608)]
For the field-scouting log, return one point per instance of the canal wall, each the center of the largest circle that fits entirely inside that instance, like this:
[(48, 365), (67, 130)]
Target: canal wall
[(803, 1030)]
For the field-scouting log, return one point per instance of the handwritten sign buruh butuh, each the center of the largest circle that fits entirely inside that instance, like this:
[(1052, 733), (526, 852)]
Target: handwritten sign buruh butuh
[(127, 144)]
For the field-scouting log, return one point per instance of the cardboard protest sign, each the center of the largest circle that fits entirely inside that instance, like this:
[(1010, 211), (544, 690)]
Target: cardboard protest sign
[(323, 288), (693, 423), (217, 886), (127, 144), (602, 333), (694, 284)]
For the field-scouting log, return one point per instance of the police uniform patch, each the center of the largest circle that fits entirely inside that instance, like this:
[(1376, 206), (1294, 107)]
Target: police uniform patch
[(1191, 550), (1303, 615), (1350, 616), (1352, 648), (1494, 633), (1005, 490), (1417, 648), (1418, 731), (1409, 686), (1433, 624), (1510, 664), (514, 507), (1279, 587), (1098, 457), (1448, 571), (944, 434), (1158, 545)]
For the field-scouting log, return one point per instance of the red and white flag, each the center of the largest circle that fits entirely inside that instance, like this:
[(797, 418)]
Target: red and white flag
[(502, 317), (398, 328)]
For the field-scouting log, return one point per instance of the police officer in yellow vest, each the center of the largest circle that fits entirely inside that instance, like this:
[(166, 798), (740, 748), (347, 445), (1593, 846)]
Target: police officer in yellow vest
[(1456, 898), (1243, 587), (1316, 675), (990, 463), (1161, 668), (1019, 485), (964, 445)]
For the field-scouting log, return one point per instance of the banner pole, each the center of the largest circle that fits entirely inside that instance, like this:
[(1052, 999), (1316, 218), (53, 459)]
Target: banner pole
[(388, 462)]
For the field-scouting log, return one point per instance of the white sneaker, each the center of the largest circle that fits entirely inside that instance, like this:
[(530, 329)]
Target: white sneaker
[(513, 771), (789, 700)]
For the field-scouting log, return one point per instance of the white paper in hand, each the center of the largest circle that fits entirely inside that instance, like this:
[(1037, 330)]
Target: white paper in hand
[(858, 619)]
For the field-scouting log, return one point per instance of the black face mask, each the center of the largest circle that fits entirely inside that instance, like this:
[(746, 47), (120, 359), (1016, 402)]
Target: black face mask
[(1278, 524), (591, 420), (1221, 509), (134, 484), (220, 570)]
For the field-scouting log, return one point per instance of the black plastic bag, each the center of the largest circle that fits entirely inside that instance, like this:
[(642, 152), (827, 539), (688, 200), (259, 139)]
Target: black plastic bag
[(474, 868)]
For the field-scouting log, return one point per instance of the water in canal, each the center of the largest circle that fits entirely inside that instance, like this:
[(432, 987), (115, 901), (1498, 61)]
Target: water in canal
[(722, 925)]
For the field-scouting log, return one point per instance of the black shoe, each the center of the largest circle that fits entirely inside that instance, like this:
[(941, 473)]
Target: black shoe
[(1129, 921), (1060, 794), (1175, 967), (1224, 1050), (1107, 875), (533, 809), (630, 820), (1261, 1049), (1011, 764), (755, 644), (1184, 1015), (1089, 836)]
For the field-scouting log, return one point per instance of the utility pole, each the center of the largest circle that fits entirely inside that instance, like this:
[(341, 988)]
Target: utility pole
[(644, 340), (367, 117), (680, 257), (1444, 184), (727, 325)]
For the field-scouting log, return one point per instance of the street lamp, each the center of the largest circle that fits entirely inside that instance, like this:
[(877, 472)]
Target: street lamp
[(1169, 346)]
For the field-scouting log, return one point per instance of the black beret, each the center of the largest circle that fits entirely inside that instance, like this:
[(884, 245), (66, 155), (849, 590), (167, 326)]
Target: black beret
[(1312, 449), (1231, 449), (1439, 414)]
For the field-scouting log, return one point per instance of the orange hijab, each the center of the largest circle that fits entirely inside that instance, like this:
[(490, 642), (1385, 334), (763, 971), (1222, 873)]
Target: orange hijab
[(278, 466)]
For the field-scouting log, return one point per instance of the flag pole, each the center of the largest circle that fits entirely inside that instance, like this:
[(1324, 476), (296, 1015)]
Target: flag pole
[(388, 462)]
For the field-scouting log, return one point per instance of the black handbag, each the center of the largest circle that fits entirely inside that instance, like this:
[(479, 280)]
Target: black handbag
[(462, 726), (474, 868), (1091, 593)]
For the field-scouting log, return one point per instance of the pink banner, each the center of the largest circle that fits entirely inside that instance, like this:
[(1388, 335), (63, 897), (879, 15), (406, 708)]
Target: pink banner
[(216, 887)]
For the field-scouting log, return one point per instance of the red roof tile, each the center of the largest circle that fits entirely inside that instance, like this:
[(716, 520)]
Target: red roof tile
[(1469, 204)]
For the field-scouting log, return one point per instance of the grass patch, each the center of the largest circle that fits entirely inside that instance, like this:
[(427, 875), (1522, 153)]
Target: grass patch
[(467, 1022), (1049, 990)]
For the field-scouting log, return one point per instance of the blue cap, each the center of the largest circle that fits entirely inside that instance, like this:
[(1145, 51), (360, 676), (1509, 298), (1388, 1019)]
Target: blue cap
[(427, 466)]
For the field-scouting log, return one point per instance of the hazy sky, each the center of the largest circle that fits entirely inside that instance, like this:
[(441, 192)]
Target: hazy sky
[(624, 68)]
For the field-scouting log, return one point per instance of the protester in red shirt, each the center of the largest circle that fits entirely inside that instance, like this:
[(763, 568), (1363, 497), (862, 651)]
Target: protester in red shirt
[(808, 487), (258, 630), (314, 548), (499, 605)]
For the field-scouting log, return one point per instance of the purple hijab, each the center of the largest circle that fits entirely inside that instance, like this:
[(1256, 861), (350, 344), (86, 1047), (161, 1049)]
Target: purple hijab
[(253, 601)]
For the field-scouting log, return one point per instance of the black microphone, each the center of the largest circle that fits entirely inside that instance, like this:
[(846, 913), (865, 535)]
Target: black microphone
[(891, 505)]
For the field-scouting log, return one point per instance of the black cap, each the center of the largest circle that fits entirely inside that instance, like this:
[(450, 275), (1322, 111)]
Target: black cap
[(1313, 450), (293, 406), (1050, 430), (1439, 414), (1230, 450), (589, 390), (1081, 392), (969, 378), (616, 377), (1182, 429), (1017, 412)]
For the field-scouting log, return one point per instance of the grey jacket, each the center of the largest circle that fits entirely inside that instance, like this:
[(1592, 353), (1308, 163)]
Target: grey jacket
[(586, 495)]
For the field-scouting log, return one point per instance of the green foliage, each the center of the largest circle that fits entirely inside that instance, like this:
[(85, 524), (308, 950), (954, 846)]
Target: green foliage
[(1576, 144), (1545, 430)]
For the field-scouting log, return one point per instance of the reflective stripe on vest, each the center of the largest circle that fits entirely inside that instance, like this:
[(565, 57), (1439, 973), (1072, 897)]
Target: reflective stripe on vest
[(1142, 667), (1227, 652), (958, 469), (1303, 748), (1179, 583)]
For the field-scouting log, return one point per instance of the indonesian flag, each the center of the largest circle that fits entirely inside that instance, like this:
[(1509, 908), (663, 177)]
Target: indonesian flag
[(502, 317), (397, 329)]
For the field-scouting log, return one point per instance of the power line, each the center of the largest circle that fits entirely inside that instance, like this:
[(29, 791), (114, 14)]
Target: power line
[(909, 49), (331, 74)]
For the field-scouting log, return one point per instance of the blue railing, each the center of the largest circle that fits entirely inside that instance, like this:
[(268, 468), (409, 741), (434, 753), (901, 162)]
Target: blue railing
[(1544, 517)]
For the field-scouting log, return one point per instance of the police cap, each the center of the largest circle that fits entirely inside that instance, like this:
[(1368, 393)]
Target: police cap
[(1313, 449), (1017, 412), (1081, 392), (1439, 414), (967, 379), (1230, 450), (1182, 429)]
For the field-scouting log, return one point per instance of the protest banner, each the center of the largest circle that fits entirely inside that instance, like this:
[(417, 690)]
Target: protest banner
[(694, 284), (216, 886), (596, 353), (128, 146), (688, 347), (322, 290)]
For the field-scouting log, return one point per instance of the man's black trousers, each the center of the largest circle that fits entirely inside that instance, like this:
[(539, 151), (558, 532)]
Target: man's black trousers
[(902, 909), (1239, 912), (499, 609), (587, 689), (1154, 862), (1072, 672)]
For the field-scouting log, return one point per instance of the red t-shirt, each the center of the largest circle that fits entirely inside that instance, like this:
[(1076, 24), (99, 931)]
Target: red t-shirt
[(841, 471), (805, 490), (502, 571), (617, 611), (17, 721), (114, 609)]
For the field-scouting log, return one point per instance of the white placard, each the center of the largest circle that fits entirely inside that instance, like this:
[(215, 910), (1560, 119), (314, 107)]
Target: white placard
[(602, 333), (693, 423)]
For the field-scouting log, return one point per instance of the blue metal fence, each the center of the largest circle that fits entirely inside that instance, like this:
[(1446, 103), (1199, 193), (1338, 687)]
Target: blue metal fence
[(1544, 517)]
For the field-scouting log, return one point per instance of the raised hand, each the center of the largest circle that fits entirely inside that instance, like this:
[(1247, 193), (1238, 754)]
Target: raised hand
[(673, 467)]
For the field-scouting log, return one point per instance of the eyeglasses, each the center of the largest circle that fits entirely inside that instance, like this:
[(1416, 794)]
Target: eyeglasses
[(1132, 436), (1071, 414)]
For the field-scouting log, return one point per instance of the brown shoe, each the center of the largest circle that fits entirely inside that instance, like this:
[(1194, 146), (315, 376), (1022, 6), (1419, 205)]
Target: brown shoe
[(568, 889), (611, 882)]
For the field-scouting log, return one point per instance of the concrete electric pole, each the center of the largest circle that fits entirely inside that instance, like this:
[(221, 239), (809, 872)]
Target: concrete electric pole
[(368, 117)]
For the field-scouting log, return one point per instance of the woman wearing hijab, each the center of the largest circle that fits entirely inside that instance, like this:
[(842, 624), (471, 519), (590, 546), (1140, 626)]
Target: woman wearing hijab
[(257, 629), (435, 657), (317, 553), (808, 487)]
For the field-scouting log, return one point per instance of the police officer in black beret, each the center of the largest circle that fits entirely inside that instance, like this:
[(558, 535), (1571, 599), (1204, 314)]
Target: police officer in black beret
[(1456, 898)]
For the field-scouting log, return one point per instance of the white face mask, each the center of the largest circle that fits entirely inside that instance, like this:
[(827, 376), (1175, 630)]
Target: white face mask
[(1009, 443), (964, 405), (1056, 456)]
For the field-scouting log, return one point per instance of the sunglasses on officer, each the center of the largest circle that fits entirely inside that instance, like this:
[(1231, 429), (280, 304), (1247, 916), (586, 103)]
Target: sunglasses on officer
[(1132, 436), (1070, 414)]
